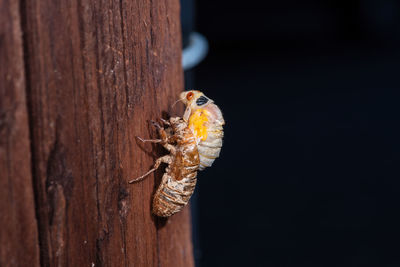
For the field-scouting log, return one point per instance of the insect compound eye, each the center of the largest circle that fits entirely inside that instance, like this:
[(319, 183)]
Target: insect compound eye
[(189, 96), (201, 100)]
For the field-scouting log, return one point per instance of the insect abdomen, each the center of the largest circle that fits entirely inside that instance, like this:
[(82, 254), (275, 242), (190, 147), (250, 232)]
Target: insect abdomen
[(173, 195), (210, 148)]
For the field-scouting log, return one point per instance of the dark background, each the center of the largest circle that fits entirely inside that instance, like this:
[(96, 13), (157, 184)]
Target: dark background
[(309, 172)]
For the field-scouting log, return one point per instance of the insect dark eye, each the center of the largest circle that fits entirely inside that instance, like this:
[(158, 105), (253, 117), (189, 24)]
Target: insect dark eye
[(201, 100)]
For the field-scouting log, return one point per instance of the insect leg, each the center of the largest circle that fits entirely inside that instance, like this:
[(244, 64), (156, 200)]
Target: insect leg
[(149, 140), (156, 124), (169, 147), (166, 140), (187, 113), (165, 122), (165, 159)]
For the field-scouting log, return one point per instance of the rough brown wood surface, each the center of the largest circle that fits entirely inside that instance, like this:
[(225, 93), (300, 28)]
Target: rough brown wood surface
[(96, 73), (18, 228)]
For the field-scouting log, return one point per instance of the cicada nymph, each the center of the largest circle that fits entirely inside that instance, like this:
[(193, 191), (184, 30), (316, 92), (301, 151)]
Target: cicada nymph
[(206, 121), (179, 179)]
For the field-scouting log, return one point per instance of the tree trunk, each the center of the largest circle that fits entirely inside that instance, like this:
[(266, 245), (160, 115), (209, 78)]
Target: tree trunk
[(96, 72)]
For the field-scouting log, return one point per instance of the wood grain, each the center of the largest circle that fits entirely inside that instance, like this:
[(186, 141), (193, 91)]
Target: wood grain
[(98, 71), (18, 228)]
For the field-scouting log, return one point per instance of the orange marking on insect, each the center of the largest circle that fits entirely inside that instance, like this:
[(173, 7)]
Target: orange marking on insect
[(198, 123)]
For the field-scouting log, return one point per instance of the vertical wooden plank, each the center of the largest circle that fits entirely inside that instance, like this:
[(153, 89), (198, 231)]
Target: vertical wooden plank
[(98, 72), (18, 232)]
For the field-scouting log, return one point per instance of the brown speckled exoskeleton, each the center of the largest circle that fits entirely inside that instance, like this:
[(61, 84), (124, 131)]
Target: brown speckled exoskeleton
[(179, 179)]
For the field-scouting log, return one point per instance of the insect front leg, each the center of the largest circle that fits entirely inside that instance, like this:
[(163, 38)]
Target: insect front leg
[(162, 133), (165, 122), (149, 140), (186, 115), (165, 159), (166, 140)]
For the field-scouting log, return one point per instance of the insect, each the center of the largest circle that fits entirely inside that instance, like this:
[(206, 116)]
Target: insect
[(206, 121), (179, 179)]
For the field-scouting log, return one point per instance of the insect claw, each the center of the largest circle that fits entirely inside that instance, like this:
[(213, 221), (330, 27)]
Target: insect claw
[(141, 139), (156, 124), (165, 122)]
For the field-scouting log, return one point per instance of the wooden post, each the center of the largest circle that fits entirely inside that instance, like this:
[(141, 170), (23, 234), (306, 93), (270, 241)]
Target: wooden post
[(18, 226), (96, 72)]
